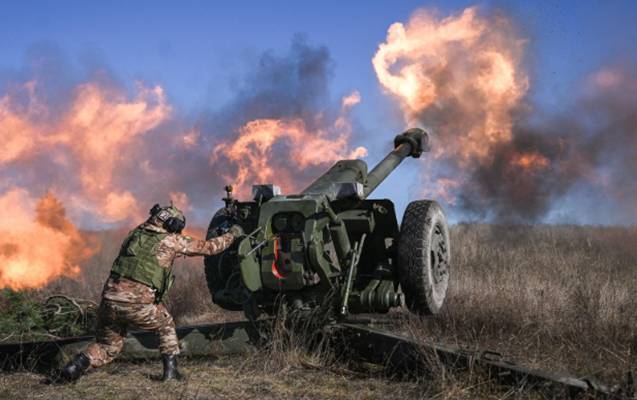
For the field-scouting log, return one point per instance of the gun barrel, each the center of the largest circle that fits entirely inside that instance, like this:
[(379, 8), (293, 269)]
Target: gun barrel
[(410, 143), (350, 177)]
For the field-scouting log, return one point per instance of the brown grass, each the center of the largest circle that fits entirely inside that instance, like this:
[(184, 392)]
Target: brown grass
[(560, 298), (557, 297)]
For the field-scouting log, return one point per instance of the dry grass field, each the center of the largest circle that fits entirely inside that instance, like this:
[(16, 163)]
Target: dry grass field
[(560, 298)]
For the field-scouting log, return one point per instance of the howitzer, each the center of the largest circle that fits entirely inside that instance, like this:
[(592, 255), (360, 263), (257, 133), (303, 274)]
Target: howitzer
[(331, 244)]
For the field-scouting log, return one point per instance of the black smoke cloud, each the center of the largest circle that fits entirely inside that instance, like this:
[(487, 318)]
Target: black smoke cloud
[(495, 157), (293, 85), (290, 85), (155, 164), (590, 146)]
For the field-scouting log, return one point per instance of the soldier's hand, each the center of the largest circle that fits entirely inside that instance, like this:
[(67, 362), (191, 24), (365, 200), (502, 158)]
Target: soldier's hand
[(236, 231), (224, 227)]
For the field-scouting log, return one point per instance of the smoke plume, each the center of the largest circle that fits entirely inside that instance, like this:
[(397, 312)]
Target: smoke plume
[(463, 77), (283, 128), (105, 153)]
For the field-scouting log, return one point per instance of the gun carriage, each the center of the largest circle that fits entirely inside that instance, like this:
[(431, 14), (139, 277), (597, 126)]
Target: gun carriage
[(332, 244)]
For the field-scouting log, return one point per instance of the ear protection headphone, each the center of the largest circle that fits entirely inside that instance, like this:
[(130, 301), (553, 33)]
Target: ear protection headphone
[(174, 225), (170, 222)]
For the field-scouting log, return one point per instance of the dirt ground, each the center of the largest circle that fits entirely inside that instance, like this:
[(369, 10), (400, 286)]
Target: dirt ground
[(237, 378)]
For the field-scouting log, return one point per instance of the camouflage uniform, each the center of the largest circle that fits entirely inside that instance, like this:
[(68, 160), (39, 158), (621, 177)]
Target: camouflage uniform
[(130, 304)]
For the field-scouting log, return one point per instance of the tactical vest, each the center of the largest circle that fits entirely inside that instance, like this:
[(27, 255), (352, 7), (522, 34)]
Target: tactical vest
[(137, 260)]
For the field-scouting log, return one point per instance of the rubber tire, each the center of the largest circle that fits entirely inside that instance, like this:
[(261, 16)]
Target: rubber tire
[(219, 267), (424, 257)]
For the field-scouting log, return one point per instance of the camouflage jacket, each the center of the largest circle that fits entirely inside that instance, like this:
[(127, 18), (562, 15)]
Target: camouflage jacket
[(173, 245)]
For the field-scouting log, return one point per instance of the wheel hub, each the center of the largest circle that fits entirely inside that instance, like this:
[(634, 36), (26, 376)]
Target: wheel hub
[(439, 255)]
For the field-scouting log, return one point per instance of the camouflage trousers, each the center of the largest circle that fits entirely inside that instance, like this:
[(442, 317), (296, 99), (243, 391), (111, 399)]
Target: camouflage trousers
[(114, 319)]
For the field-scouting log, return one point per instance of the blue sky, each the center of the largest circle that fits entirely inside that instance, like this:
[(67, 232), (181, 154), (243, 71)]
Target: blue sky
[(197, 49), (192, 47)]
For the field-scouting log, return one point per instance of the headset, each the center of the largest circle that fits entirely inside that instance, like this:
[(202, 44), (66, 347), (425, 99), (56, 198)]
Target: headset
[(169, 222)]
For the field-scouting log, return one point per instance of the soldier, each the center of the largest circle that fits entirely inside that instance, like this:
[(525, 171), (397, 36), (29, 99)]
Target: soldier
[(132, 295)]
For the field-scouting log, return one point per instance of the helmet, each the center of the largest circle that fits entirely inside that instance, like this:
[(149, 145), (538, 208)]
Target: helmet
[(170, 218)]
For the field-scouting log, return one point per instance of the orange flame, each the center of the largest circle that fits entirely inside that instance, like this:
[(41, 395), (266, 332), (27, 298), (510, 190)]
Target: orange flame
[(466, 59), (94, 138), (256, 160), (98, 131), (36, 247), (530, 161), (91, 145), (462, 74)]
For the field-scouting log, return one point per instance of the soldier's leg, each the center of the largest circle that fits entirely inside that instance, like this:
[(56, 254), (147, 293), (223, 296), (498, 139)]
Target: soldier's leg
[(110, 335), (109, 342), (157, 318), (168, 341)]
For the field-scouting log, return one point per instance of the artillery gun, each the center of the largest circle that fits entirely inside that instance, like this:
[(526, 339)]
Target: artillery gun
[(332, 244)]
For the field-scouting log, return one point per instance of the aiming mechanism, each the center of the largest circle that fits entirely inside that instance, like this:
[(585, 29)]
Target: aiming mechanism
[(331, 244)]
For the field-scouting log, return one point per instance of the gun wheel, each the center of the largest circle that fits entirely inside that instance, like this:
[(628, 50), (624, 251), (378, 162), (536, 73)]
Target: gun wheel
[(424, 257), (219, 268)]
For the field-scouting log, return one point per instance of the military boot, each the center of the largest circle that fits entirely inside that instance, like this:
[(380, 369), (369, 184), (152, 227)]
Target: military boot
[(76, 367), (170, 368)]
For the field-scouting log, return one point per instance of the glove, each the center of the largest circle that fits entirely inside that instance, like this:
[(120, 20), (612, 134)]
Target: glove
[(236, 231), (224, 228)]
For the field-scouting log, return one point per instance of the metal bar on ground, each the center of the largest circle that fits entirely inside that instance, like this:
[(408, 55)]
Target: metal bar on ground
[(401, 355), (406, 356), (200, 340)]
